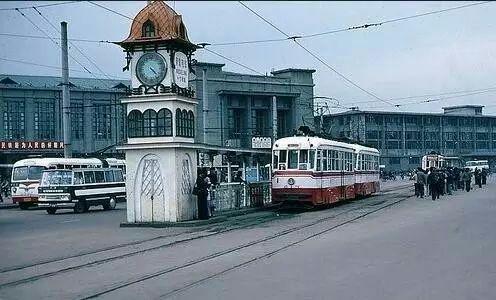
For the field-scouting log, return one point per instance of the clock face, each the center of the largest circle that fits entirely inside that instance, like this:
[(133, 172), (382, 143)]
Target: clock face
[(151, 68)]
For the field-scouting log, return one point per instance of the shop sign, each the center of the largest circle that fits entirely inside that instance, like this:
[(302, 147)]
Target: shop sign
[(261, 142), (31, 145)]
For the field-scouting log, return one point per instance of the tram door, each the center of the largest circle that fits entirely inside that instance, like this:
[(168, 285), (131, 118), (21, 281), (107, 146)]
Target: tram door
[(342, 166)]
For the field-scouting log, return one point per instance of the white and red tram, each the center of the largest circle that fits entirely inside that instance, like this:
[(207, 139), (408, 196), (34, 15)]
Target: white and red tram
[(317, 171)]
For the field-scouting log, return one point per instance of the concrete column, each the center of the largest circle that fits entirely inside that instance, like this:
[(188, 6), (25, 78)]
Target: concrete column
[(29, 109), (205, 103), (88, 119), (2, 134), (403, 136), (258, 171), (274, 118), (229, 172)]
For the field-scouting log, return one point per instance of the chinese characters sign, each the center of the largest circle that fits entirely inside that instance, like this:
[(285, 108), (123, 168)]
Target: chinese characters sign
[(31, 145), (181, 70)]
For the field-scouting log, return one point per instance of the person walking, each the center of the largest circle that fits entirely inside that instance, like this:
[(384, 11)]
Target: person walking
[(456, 178), (201, 190), (484, 176), (449, 180), (239, 178), (213, 178), (478, 177), (432, 181), (421, 180), (467, 179)]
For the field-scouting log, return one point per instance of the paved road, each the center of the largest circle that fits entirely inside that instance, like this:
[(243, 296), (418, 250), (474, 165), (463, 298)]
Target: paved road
[(376, 248)]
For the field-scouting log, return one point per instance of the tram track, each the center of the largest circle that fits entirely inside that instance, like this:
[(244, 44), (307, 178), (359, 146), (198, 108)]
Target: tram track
[(96, 262), (218, 254)]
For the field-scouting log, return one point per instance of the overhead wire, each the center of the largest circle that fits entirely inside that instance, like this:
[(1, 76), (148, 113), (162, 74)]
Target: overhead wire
[(316, 57), (55, 38), (38, 6)]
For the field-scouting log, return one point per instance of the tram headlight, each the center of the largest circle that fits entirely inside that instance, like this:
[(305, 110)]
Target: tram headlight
[(14, 190), (291, 181)]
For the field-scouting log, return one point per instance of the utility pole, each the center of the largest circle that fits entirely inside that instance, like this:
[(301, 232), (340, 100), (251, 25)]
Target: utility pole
[(66, 100), (205, 104), (274, 119)]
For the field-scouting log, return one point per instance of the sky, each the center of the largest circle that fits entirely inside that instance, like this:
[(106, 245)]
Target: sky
[(435, 54)]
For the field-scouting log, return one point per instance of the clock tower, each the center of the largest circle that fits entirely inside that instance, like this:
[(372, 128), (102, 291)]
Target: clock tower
[(160, 150)]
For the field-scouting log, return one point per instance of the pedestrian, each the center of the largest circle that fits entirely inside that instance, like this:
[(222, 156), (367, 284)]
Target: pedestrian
[(432, 181), (456, 178), (478, 177), (213, 180), (484, 176), (421, 180), (239, 178), (201, 191), (467, 179), (449, 180)]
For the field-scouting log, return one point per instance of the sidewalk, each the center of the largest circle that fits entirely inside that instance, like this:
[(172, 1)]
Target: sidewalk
[(218, 217), (7, 203)]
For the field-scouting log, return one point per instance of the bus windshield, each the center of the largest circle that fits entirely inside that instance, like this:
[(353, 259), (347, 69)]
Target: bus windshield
[(27, 173), (59, 177)]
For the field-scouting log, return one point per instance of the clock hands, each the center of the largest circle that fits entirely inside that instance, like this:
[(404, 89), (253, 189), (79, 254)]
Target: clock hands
[(153, 70)]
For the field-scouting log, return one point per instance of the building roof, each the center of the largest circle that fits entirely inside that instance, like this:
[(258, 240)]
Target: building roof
[(168, 26), (463, 106), (54, 82), (372, 112), (292, 70)]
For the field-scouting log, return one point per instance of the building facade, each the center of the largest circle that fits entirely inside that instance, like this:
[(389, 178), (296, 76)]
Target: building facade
[(403, 138), (237, 107), (31, 116)]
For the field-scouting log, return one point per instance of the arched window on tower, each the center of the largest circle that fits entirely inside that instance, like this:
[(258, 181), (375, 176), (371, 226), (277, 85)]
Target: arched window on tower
[(148, 29), (185, 123), (135, 124), (179, 122), (150, 123), (164, 122), (191, 119)]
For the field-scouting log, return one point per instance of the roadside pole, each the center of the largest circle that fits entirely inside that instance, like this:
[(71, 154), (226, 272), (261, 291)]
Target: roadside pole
[(66, 100)]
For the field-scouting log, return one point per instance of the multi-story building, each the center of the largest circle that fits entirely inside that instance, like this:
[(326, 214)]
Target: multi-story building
[(238, 106), (403, 137), (31, 116)]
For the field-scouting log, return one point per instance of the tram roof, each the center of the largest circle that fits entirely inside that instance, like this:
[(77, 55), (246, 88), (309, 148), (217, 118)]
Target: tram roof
[(308, 142)]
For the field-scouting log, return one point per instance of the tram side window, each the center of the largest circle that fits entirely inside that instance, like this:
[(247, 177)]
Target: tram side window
[(78, 178), (312, 158), (293, 159), (303, 165), (99, 177), (89, 177), (325, 154), (109, 176), (118, 176), (319, 160), (282, 159), (333, 160), (275, 163)]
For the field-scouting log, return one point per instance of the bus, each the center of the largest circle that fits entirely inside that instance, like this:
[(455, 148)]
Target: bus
[(81, 188), (26, 175), (477, 164), (433, 160)]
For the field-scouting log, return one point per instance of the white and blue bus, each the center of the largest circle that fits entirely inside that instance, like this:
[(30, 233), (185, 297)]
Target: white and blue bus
[(81, 188)]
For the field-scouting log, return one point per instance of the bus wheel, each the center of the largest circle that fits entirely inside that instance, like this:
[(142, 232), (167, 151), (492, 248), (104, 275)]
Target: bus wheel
[(51, 210), (23, 206), (110, 204), (80, 207)]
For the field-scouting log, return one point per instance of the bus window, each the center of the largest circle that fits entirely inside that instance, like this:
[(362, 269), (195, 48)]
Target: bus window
[(118, 176), (303, 162), (78, 178), (20, 173), (292, 159), (99, 177), (89, 177), (312, 158), (109, 176)]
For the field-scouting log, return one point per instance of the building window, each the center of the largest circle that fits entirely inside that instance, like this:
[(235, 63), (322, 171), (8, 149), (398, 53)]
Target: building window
[(465, 121), (372, 135), (148, 29), (259, 121), (450, 121), (482, 145), (413, 135), (413, 120), (413, 145), (235, 122), (394, 160), (393, 135), (164, 122), (393, 120), (184, 123), (135, 124), (44, 120), (433, 121), (481, 122), (393, 145), (13, 119), (373, 119), (482, 135), (191, 120), (150, 123), (282, 123), (77, 120), (414, 160), (102, 127)]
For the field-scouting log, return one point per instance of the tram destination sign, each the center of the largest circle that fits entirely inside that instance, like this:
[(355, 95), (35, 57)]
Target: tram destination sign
[(31, 145), (259, 142)]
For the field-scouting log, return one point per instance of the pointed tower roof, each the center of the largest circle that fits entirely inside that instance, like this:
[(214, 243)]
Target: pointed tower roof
[(167, 26)]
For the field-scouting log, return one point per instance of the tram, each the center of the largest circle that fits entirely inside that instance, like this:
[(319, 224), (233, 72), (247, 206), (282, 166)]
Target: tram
[(315, 171)]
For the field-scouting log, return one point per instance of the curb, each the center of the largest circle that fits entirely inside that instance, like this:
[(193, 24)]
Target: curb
[(8, 206)]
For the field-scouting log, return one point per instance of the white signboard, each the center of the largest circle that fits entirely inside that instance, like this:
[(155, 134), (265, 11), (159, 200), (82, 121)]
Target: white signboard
[(261, 142), (181, 70)]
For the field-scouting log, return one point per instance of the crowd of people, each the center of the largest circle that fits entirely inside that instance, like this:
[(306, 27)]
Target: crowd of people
[(438, 182)]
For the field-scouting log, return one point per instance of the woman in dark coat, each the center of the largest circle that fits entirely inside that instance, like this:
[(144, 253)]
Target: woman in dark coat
[(202, 195)]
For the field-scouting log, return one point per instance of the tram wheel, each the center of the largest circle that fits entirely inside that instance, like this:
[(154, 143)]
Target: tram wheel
[(81, 207), (51, 210)]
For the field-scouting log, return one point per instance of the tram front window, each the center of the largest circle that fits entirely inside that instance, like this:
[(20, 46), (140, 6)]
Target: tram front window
[(293, 159)]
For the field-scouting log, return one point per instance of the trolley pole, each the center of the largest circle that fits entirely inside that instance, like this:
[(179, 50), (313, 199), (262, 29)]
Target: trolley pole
[(66, 100)]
